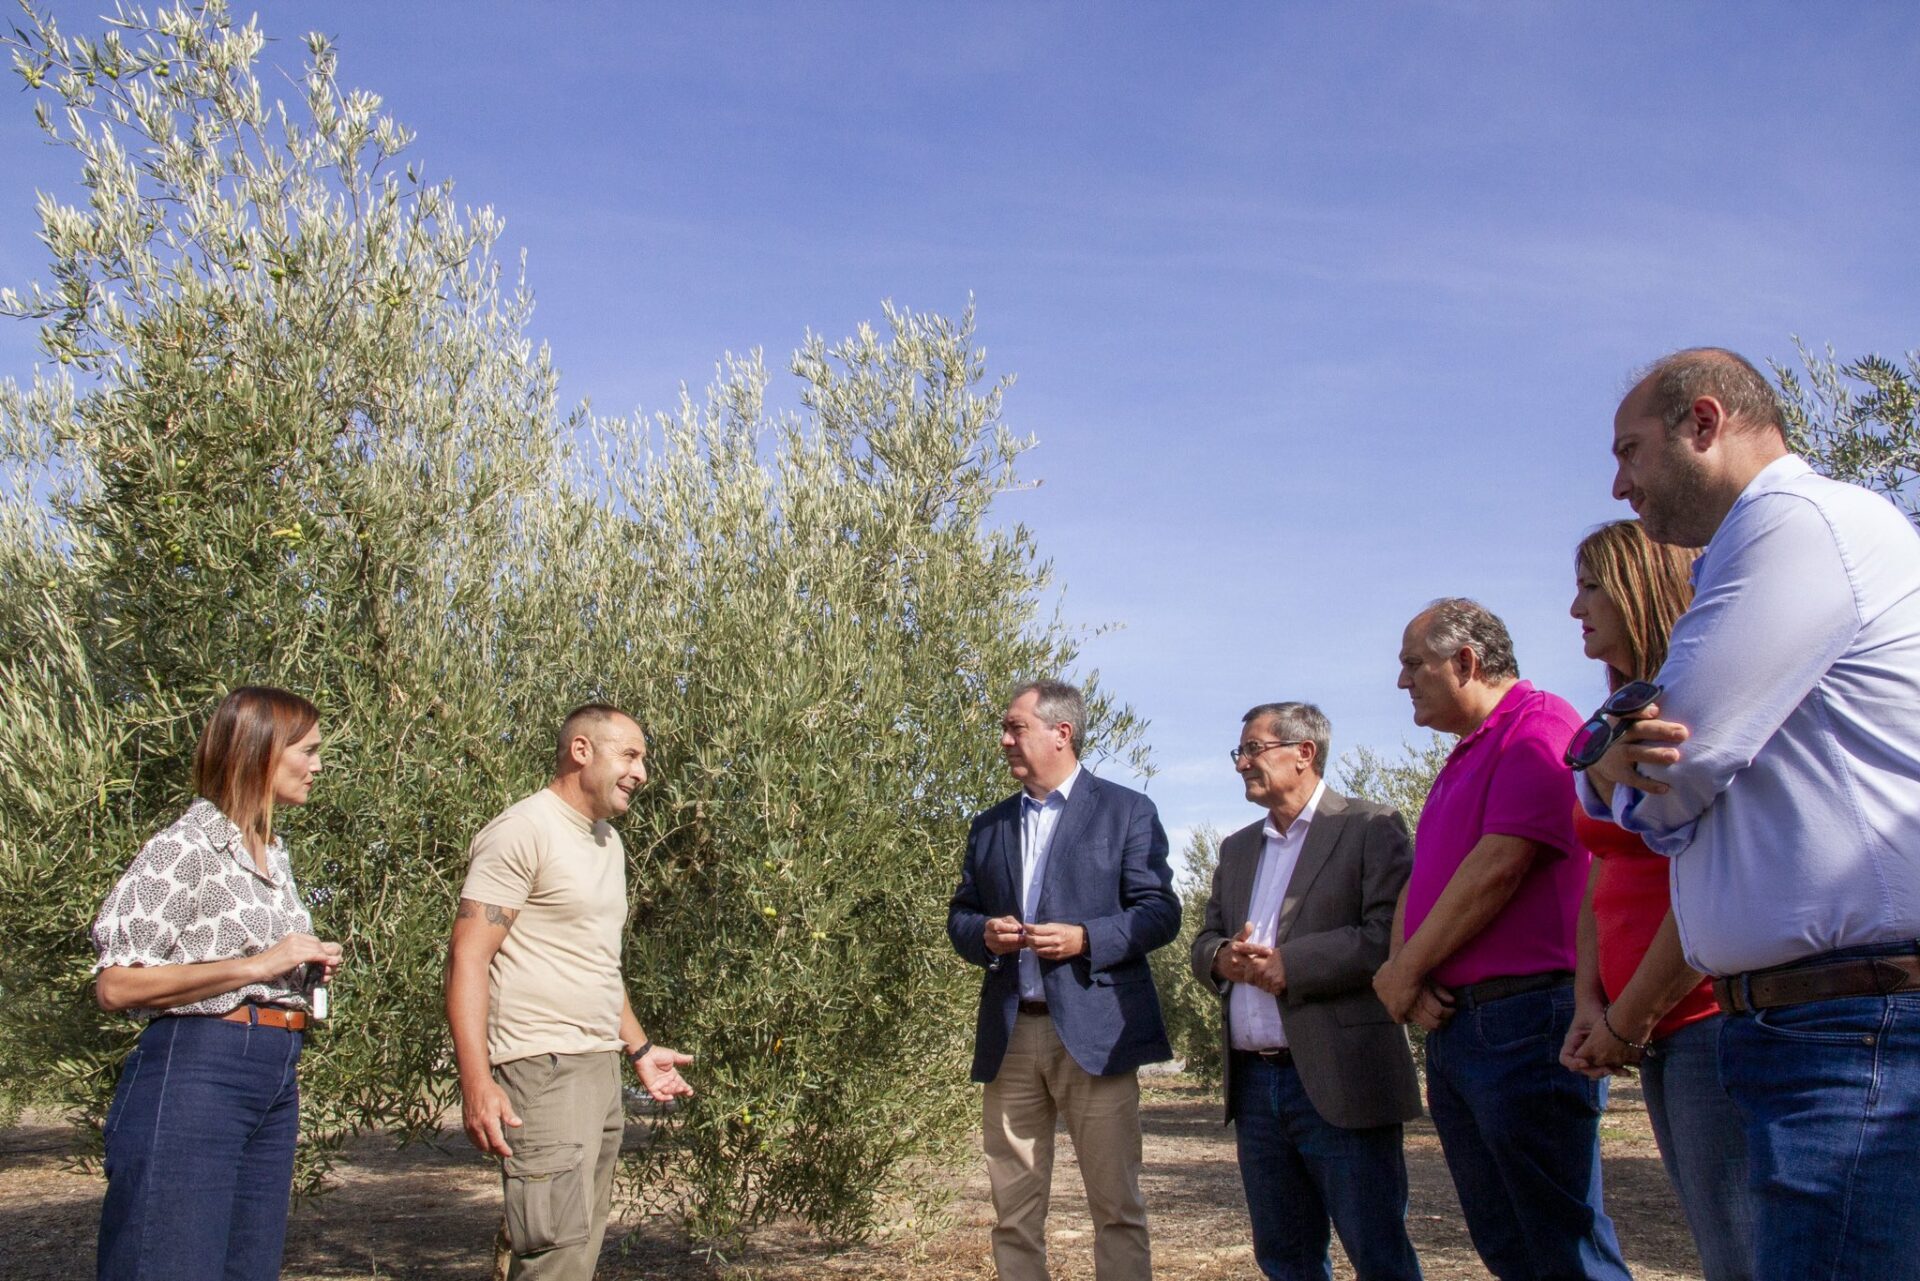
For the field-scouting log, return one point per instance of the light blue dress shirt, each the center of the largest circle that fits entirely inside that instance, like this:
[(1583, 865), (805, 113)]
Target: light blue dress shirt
[(1253, 1016), (1037, 821), (1793, 821)]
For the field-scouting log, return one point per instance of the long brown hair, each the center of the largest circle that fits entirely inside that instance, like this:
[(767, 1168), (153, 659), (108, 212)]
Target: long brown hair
[(1648, 582), (241, 748)]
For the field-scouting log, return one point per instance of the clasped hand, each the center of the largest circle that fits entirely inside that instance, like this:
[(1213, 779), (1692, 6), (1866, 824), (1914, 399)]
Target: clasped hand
[(1050, 942), (1241, 960), (1591, 1048), (1411, 998)]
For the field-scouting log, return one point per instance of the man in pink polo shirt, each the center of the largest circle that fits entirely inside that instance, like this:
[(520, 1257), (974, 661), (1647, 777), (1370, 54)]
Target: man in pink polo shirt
[(1483, 954)]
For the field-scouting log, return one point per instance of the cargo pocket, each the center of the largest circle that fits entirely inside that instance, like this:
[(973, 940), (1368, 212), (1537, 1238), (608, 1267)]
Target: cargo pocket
[(546, 1197)]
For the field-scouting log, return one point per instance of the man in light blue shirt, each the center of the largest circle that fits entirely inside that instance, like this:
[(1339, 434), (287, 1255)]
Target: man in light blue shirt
[(1780, 771)]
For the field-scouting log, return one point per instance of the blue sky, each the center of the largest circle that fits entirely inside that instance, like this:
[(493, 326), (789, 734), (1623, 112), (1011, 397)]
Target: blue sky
[(1318, 311)]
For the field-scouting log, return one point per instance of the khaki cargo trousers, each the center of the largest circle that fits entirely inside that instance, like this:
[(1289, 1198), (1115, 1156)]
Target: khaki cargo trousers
[(559, 1180)]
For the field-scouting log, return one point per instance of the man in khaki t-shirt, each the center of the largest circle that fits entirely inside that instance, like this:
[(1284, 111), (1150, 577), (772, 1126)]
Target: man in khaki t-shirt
[(539, 1014)]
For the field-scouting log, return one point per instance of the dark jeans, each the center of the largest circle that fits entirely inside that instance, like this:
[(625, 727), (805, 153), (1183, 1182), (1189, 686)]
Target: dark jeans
[(1522, 1139), (1831, 1095), (200, 1145), (1299, 1171), (1703, 1144)]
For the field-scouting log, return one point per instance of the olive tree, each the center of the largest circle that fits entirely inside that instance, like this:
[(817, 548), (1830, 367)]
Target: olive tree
[(1857, 420), (1192, 1008), (291, 427)]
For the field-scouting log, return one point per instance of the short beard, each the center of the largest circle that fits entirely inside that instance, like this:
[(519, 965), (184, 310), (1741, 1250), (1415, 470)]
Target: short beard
[(1678, 513)]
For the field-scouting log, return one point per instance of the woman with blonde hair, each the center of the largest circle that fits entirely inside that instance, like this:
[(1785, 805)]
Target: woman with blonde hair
[(206, 941), (1637, 1001)]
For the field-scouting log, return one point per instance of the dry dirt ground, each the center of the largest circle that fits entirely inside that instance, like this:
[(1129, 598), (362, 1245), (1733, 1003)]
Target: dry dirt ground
[(428, 1214)]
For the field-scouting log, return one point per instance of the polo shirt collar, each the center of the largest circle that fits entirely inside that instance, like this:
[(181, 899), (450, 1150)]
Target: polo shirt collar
[(1508, 704)]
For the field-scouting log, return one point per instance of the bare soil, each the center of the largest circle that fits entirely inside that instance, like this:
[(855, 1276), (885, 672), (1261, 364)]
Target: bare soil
[(428, 1213)]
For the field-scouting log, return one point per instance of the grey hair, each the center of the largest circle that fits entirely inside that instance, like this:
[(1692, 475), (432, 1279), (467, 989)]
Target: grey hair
[(1676, 381), (1455, 623), (1057, 702), (1300, 723)]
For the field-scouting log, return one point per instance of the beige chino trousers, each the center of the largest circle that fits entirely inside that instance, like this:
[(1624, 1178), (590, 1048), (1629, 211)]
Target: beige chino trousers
[(559, 1180), (1038, 1083)]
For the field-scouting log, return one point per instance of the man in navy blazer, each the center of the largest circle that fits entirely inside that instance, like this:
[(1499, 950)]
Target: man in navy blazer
[(1064, 890)]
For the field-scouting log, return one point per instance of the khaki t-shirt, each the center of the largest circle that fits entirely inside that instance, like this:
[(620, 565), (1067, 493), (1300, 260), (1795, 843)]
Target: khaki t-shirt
[(554, 986)]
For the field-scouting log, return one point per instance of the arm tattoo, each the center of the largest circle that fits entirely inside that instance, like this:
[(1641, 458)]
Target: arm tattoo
[(501, 916)]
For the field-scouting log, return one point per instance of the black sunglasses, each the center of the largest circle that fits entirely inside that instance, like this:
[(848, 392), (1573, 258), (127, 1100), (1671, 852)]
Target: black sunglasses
[(1591, 741)]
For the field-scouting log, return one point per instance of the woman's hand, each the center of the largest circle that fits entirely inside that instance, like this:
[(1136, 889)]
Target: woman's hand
[(295, 950)]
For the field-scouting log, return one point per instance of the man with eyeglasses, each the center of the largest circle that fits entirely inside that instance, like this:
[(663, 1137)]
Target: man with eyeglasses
[(1064, 890), (1483, 956), (1319, 1081), (1779, 769)]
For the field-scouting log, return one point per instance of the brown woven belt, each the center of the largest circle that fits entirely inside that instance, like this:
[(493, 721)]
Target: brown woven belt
[(1860, 976)]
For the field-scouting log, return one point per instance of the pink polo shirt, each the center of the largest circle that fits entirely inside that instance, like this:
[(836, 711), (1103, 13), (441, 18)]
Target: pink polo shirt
[(1506, 778)]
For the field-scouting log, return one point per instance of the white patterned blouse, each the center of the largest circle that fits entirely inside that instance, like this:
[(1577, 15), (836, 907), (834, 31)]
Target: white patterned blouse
[(193, 894)]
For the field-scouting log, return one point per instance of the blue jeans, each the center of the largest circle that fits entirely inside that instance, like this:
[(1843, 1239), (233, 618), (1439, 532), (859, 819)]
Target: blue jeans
[(1298, 1171), (200, 1145), (1522, 1139), (1831, 1094), (1703, 1144)]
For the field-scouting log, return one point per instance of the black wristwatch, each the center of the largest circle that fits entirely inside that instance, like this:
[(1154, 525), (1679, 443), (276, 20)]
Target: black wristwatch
[(641, 1053)]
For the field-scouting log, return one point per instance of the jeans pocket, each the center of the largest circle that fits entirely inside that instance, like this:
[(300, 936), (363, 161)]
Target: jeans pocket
[(1854, 1022), (1517, 1020), (546, 1196)]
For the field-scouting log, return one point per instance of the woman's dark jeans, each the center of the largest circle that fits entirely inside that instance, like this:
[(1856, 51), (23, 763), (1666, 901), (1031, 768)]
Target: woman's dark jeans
[(200, 1146)]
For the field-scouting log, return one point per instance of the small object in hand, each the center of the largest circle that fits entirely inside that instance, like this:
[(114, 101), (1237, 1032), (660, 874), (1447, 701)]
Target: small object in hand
[(1591, 741), (319, 999)]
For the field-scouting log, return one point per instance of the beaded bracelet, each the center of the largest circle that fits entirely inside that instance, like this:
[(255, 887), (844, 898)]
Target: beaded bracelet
[(1642, 1046)]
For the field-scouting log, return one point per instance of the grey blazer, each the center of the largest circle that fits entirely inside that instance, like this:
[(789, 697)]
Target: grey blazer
[(1354, 1061)]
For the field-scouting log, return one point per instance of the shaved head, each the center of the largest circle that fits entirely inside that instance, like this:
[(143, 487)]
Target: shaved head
[(590, 719), (1673, 383)]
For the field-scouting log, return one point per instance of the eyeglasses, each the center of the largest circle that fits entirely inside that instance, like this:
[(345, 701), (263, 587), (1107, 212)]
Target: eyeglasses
[(1591, 741), (1251, 750)]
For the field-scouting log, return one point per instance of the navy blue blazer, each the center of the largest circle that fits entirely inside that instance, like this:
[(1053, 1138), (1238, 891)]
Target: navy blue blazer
[(1106, 870)]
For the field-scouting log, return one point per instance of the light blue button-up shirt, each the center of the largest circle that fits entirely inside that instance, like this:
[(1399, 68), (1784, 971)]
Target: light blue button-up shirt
[(1253, 1016), (1037, 821), (1793, 821)]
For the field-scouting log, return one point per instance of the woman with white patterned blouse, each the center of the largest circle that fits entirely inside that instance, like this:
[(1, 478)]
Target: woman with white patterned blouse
[(205, 940)]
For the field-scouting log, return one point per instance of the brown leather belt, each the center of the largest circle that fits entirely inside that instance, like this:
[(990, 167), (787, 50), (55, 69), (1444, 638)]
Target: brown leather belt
[(1510, 985), (1817, 981), (267, 1016), (1038, 1008)]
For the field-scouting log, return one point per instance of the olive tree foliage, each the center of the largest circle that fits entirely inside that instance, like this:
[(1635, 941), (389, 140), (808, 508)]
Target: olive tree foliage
[(291, 429), (1402, 782), (1857, 421), (1192, 1008)]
